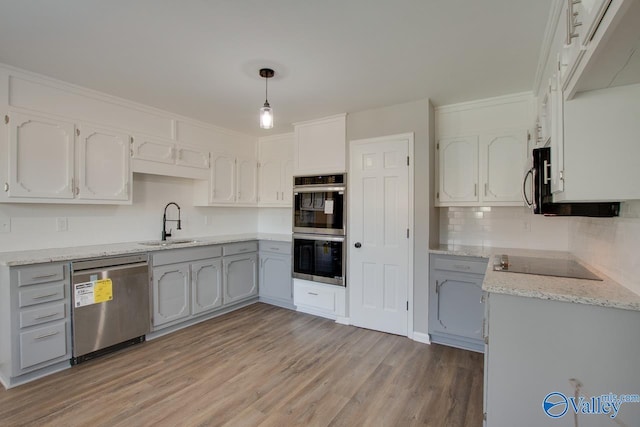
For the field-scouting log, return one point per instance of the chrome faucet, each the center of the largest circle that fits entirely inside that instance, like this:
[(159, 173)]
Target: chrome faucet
[(164, 221)]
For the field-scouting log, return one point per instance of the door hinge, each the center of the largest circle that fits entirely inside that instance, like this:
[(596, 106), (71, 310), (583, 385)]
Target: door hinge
[(407, 160), (77, 131), (407, 305), (407, 233), (528, 136), (438, 195), (438, 146), (437, 287), (484, 416), (131, 140), (6, 119)]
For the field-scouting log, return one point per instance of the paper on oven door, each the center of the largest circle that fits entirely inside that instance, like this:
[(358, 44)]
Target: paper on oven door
[(328, 207)]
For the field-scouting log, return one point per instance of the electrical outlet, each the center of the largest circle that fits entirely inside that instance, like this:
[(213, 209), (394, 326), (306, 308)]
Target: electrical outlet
[(62, 224), (5, 224)]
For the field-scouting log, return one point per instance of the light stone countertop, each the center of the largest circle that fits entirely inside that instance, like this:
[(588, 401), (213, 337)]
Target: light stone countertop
[(605, 293), (37, 256)]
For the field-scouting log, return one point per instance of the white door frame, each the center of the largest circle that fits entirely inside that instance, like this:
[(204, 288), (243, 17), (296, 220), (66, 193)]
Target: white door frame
[(402, 136)]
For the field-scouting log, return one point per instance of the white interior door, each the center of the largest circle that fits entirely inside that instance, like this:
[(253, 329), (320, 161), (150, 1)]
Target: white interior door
[(379, 217)]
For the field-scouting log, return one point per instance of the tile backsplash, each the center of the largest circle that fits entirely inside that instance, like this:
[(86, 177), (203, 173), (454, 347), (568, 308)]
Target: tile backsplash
[(611, 244), (508, 227)]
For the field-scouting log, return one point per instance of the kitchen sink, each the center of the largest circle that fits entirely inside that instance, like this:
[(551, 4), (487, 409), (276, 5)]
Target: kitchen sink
[(168, 242)]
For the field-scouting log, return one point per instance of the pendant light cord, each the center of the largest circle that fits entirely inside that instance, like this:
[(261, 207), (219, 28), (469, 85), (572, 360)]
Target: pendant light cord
[(266, 87)]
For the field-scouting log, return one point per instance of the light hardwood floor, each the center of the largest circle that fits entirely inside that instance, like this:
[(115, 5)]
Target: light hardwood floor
[(260, 366)]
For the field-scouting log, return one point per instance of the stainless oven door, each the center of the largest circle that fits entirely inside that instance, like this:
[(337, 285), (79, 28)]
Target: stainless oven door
[(319, 258), (319, 210)]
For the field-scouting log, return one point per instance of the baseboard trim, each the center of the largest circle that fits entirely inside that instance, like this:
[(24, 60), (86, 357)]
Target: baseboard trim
[(343, 320), (421, 337)]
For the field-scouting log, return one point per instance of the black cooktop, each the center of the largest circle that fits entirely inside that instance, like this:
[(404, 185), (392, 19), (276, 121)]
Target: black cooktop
[(543, 267)]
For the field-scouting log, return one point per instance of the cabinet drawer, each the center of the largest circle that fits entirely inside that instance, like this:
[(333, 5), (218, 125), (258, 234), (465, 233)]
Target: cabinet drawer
[(41, 294), (40, 274), (239, 248), (42, 315), (459, 265), (320, 298), (43, 344), (276, 247), (176, 256)]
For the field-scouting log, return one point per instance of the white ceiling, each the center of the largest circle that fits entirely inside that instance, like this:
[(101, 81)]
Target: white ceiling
[(200, 58)]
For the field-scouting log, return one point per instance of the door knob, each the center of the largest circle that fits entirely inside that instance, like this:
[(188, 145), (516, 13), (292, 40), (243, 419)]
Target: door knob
[(358, 245)]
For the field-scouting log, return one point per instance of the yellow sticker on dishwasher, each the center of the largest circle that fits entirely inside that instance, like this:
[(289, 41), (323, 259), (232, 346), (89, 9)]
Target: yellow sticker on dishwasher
[(103, 291)]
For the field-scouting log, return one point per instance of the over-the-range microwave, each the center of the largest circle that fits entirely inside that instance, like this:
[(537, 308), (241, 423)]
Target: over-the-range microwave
[(540, 198)]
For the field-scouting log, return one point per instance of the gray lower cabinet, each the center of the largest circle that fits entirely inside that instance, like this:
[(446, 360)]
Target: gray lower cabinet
[(562, 353), (206, 285), (241, 277), (35, 337), (276, 284), (186, 283), (456, 310), (171, 293), (191, 282)]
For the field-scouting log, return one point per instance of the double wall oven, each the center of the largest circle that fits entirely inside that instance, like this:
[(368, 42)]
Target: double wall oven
[(319, 228)]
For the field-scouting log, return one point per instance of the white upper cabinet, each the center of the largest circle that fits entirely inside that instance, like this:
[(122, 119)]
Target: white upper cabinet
[(232, 182), (53, 160), (275, 170), (223, 178), (41, 153), (161, 156), (458, 171), (152, 149), (502, 160), (482, 151), (104, 171), (597, 42), (320, 146), (588, 102), (482, 170), (246, 179)]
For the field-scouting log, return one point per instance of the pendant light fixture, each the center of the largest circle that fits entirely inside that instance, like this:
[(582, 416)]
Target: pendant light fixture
[(266, 114)]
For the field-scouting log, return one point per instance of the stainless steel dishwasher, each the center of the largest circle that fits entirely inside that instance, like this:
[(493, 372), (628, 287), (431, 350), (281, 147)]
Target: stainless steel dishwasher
[(110, 298)]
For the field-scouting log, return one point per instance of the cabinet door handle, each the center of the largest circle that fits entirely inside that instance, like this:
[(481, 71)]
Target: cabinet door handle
[(50, 334), (45, 296), (475, 190), (485, 189), (437, 287), (312, 293)]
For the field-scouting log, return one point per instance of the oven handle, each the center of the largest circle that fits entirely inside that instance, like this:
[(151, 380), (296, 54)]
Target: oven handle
[(318, 189), (319, 237)]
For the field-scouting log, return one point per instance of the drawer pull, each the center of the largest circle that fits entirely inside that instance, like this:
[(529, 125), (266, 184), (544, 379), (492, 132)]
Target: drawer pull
[(243, 250), (462, 267), (50, 334), (312, 293), (44, 276), (45, 295), (46, 316), (274, 249)]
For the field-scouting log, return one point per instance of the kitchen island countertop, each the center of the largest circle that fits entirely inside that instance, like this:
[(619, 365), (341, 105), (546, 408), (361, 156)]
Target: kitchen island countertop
[(37, 256), (605, 293)]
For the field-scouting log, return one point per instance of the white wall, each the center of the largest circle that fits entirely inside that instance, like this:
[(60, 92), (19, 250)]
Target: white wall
[(506, 227), (33, 226), (404, 118), (611, 244), (275, 220)]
